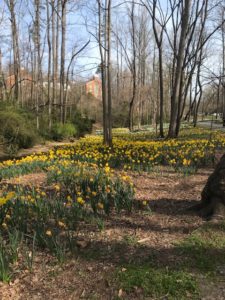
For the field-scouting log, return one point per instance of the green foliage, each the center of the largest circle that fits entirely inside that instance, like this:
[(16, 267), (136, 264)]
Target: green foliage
[(158, 282), (120, 115), (83, 124), (60, 131), (130, 240), (4, 265), (50, 217), (10, 242), (17, 129), (96, 187), (44, 130)]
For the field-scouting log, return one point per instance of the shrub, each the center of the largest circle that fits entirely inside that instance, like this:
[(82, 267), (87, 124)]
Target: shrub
[(120, 116), (44, 130), (63, 131), (17, 129), (83, 124)]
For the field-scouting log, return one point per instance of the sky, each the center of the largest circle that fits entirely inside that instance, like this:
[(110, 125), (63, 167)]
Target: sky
[(81, 28)]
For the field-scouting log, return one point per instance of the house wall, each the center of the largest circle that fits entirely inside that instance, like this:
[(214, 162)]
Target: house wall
[(94, 87)]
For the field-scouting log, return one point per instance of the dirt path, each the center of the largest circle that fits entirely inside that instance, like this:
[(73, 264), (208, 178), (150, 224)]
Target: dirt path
[(36, 149)]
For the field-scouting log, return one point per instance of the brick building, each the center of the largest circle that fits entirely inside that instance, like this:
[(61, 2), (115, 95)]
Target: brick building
[(94, 87), (25, 79)]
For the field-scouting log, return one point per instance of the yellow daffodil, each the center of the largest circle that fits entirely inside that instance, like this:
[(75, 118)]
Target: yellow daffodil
[(80, 200), (48, 233)]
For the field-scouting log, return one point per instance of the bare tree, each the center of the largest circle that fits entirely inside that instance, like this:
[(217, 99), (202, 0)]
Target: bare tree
[(178, 69), (109, 4), (104, 42), (62, 59), (15, 46), (49, 64), (102, 50), (159, 22), (38, 59), (223, 61), (133, 68)]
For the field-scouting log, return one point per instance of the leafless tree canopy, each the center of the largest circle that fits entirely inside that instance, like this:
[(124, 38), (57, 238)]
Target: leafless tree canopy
[(159, 62)]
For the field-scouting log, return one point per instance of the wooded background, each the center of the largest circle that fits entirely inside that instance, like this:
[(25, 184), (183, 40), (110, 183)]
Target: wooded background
[(159, 61)]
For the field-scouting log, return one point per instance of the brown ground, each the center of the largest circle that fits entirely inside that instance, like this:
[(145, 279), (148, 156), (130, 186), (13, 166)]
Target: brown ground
[(125, 238)]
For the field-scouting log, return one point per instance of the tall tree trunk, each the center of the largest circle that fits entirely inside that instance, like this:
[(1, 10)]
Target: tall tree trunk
[(49, 67), (54, 49), (154, 98), (2, 87), (134, 71), (15, 44), (218, 98), (178, 70), (57, 8), (102, 50), (109, 74), (38, 69), (223, 66), (62, 65), (161, 94)]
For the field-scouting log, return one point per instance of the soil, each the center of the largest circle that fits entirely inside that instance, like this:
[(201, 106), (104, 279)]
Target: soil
[(126, 238)]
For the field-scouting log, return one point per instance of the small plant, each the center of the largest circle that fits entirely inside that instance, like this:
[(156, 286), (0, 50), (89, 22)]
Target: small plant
[(4, 264), (130, 240), (29, 254), (100, 224), (15, 239)]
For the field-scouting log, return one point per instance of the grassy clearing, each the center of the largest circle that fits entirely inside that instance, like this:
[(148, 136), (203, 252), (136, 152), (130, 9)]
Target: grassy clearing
[(204, 250), (158, 282), (200, 255)]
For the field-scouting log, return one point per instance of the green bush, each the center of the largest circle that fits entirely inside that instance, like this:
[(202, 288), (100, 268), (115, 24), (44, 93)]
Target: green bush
[(17, 129), (63, 131), (83, 124), (120, 116), (44, 130)]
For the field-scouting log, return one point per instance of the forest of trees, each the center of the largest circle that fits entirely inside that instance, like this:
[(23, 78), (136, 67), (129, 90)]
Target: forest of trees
[(159, 61), (112, 117)]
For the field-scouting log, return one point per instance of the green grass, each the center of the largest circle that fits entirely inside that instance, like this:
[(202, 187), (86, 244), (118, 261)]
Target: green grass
[(158, 282), (130, 240), (200, 254), (204, 250)]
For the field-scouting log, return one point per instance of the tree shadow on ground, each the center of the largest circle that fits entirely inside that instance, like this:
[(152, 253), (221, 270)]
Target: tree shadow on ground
[(193, 257), (149, 225), (171, 207)]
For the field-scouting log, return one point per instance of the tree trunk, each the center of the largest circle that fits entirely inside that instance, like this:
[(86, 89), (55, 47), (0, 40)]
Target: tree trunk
[(161, 93), (109, 74), (134, 75), (53, 51), (178, 71), (62, 65), (49, 68), (223, 66), (15, 46), (38, 69), (212, 204)]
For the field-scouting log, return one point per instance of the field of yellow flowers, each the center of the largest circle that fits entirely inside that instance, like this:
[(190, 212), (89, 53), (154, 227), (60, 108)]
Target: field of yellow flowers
[(85, 181)]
